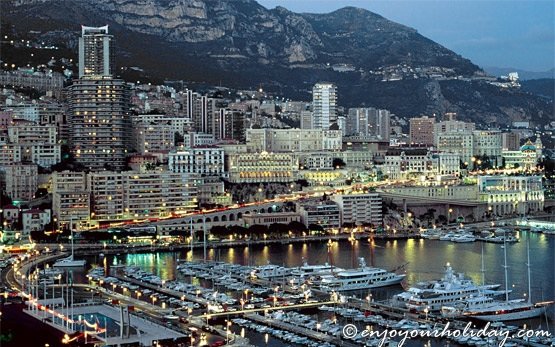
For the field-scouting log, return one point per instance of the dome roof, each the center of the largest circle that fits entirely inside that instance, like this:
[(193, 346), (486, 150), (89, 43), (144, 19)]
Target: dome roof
[(528, 146)]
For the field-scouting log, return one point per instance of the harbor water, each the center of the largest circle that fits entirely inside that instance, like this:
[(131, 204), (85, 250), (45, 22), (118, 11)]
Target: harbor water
[(419, 259)]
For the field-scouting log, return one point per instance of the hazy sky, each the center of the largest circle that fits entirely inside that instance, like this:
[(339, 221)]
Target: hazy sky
[(499, 33)]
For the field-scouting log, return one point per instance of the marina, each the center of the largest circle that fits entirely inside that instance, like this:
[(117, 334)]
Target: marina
[(269, 302)]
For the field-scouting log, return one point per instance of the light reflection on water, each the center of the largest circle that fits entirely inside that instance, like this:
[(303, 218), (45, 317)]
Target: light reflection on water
[(424, 259)]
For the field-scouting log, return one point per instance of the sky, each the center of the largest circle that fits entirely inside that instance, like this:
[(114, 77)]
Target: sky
[(492, 33)]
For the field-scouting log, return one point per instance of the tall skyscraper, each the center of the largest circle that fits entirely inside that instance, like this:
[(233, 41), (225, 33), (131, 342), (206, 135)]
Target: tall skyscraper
[(369, 122), (96, 56), (99, 119), (100, 122), (324, 105)]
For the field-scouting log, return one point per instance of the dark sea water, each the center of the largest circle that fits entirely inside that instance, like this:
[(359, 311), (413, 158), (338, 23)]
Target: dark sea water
[(423, 260)]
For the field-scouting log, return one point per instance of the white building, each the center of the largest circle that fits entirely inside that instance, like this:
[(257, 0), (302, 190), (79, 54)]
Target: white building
[(402, 164), (202, 160), (35, 220), (525, 158), (316, 160), (324, 105), (178, 124), (198, 139), (70, 197), (488, 143), (262, 167), (507, 195), (323, 213), (130, 195), (293, 140), (31, 133), (359, 209), (458, 142), (21, 181)]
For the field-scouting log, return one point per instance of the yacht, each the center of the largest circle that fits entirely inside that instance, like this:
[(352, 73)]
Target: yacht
[(465, 238), (433, 295), (70, 261), (306, 270), (269, 272), (357, 279), (488, 309)]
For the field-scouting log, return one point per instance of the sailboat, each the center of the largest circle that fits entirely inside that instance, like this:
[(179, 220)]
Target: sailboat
[(70, 261), (488, 309)]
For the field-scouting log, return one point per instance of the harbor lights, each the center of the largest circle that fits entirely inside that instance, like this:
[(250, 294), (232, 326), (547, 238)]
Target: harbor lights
[(426, 310), (369, 298), (138, 292), (242, 304), (153, 299), (246, 295), (198, 292), (227, 326)]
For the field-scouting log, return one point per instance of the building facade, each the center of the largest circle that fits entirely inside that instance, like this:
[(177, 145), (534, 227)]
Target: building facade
[(293, 140), (96, 54), (21, 181), (70, 197), (129, 195), (152, 137), (100, 123), (262, 167), (323, 213), (324, 105), (507, 195), (360, 209), (202, 160), (421, 131)]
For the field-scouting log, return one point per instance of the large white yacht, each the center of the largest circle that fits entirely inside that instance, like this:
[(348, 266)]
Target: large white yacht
[(433, 295), (270, 272), (307, 271), (489, 309), (358, 279)]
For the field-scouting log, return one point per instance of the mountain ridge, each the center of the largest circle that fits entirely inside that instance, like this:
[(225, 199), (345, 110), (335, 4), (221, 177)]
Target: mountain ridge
[(240, 43)]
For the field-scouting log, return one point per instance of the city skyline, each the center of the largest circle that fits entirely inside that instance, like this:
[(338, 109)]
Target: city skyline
[(500, 34)]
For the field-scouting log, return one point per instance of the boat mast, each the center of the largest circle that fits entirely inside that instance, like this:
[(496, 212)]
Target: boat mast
[(71, 230), (483, 270), (528, 266), (505, 266)]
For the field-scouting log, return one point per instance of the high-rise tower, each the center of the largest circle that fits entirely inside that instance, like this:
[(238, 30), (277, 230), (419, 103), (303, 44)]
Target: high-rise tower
[(99, 119), (324, 105), (96, 56)]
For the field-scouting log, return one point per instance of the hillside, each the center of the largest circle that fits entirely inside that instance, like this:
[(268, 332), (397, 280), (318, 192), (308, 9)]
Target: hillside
[(241, 44)]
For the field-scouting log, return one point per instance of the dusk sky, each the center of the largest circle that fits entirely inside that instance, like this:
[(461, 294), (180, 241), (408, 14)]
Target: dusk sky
[(502, 33)]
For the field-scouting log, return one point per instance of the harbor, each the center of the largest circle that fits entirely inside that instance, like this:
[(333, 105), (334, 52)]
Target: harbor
[(245, 294)]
